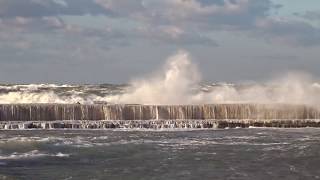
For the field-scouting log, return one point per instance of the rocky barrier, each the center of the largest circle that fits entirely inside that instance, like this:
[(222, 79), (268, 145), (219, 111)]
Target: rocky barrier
[(156, 124), (77, 116)]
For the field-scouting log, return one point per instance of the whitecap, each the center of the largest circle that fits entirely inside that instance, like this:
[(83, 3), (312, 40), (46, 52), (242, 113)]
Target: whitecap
[(31, 155)]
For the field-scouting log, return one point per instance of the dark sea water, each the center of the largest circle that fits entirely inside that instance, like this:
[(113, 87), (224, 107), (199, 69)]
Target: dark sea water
[(197, 154)]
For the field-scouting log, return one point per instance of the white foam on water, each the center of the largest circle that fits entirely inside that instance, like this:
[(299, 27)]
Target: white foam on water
[(23, 97), (21, 139), (31, 155), (59, 154)]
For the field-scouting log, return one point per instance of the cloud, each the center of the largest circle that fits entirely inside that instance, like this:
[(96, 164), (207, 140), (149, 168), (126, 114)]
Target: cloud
[(173, 35), (29, 40), (47, 16), (171, 22), (229, 12), (31, 25), (134, 34), (40, 8), (184, 17), (187, 21), (290, 32)]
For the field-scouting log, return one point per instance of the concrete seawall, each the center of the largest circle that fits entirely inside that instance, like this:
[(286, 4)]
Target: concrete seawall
[(157, 116)]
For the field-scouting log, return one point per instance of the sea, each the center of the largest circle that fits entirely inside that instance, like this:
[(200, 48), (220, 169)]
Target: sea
[(253, 153)]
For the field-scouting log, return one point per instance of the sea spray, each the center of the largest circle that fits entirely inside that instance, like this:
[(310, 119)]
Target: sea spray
[(173, 85), (177, 82)]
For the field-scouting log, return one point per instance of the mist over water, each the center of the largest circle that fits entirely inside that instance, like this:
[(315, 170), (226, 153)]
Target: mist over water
[(177, 82)]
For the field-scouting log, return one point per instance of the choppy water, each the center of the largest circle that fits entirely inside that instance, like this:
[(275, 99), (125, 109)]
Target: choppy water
[(116, 154), (72, 93), (96, 93), (56, 93), (300, 92)]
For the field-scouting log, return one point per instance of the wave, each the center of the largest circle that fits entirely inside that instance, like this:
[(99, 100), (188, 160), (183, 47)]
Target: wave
[(22, 139), (33, 87), (89, 142), (177, 82), (46, 97), (174, 86), (31, 155), (53, 93)]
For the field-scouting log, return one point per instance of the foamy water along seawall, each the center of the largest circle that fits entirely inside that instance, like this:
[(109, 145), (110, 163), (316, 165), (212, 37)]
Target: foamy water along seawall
[(98, 116)]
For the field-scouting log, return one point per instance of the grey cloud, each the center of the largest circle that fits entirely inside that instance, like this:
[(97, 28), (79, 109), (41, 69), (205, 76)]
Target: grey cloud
[(42, 39), (206, 16), (174, 35), (196, 11), (180, 22), (290, 32), (35, 16), (161, 19), (189, 17), (40, 8)]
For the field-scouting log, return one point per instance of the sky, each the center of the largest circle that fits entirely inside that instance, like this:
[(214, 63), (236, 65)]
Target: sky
[(113, 41)]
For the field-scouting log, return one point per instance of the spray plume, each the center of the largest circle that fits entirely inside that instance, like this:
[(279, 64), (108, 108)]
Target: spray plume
[(179, 76)]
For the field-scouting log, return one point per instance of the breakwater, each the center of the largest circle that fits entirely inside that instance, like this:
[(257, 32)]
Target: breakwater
[(25, 116)]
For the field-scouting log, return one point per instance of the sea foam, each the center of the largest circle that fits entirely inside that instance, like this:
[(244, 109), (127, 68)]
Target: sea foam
[(177, 82)]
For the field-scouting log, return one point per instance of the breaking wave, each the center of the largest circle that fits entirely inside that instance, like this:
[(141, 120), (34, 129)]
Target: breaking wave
[(30, 155), (177, 82)]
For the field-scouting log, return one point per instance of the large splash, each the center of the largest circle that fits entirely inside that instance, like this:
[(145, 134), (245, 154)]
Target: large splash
[(177, 82), (173, 85)]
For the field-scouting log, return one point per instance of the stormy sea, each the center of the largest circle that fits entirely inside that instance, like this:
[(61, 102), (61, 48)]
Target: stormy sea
[(167, 125), (254, 153)]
